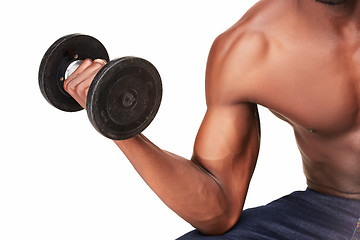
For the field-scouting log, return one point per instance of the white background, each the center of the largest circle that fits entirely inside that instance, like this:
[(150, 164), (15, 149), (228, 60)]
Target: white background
[(59, 178)]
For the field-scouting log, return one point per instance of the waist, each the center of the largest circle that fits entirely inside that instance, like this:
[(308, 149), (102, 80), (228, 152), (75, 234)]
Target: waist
[(351, 192)]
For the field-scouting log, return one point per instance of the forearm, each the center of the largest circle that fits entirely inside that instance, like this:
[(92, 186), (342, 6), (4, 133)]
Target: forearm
[(183, 186)]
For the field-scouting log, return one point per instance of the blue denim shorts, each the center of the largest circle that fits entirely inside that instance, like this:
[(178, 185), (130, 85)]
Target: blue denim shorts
[(302, 215)]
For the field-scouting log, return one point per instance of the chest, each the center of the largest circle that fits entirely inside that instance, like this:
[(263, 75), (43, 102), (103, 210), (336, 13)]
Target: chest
[(313, 89)]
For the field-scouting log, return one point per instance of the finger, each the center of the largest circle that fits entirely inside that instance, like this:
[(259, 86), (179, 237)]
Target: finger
[(101, 61), (81, 91), (78, 87), (89, 77), (71, 84), (85, 64)]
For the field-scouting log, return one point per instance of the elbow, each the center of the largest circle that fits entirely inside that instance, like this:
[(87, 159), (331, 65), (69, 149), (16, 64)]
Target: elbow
[(219, 226)]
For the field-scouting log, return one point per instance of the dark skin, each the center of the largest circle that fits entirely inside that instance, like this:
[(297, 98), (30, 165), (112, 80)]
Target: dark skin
[(333, 2), (300, 59)]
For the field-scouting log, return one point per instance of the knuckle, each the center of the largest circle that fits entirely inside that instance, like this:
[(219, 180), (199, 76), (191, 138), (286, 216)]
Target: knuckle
[(101, 61), (78, 89), (69, 82), (98, 65), (66, 86), (85, 91), (87, 61), (72, 87)]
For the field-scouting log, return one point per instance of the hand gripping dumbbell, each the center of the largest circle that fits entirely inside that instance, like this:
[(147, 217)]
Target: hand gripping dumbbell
[(124, 96)]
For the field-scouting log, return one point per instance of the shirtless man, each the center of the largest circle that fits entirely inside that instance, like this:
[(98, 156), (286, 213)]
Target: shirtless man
[(300, 59)]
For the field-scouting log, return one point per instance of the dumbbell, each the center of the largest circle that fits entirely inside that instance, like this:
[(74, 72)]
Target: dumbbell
[(124, 96)]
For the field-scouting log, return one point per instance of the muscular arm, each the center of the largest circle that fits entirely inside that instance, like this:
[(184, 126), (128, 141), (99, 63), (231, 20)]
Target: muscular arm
[(209, 190)]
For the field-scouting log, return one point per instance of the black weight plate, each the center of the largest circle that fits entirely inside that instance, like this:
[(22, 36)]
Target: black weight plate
[(124, 97), (55, 62)]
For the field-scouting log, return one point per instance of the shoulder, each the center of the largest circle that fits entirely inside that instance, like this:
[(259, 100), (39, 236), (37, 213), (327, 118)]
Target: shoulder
[(240, 58), (234, 64)]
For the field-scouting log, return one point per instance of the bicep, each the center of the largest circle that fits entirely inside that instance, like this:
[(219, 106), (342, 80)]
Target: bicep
[(228, 136), (227, 146)]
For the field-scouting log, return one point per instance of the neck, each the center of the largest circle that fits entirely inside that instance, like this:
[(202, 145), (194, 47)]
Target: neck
[(332, 2), (333, 14)]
